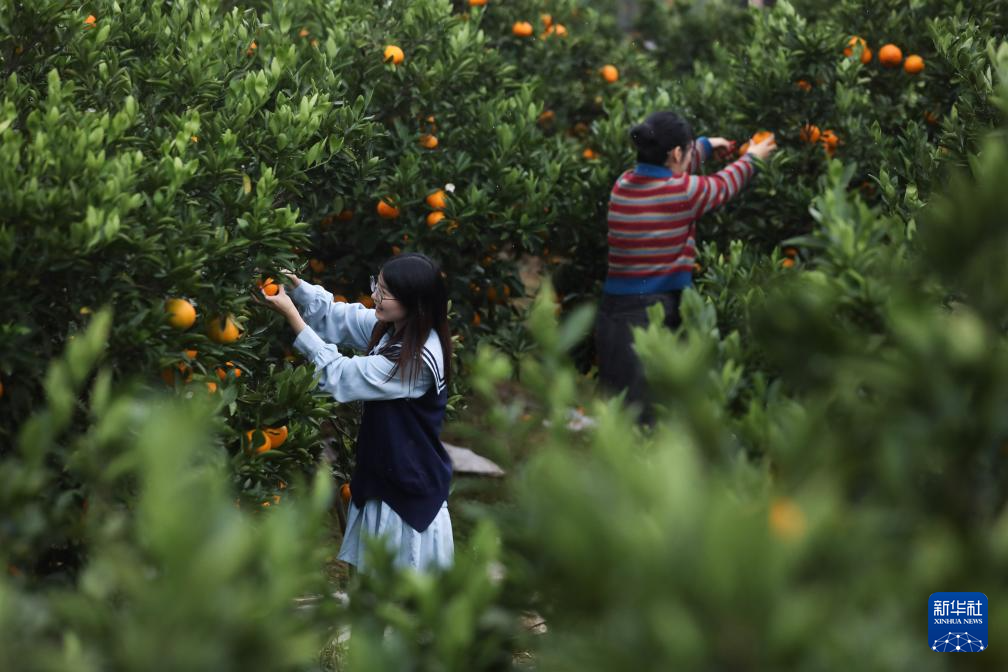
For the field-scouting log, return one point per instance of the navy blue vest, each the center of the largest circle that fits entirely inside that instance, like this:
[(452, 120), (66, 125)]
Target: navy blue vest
[(400, 459)]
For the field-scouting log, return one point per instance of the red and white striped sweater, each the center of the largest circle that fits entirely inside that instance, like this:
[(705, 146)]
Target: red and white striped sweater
[(652, 219)]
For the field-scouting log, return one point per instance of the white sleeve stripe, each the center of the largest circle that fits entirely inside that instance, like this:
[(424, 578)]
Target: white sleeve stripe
[(432, 363)]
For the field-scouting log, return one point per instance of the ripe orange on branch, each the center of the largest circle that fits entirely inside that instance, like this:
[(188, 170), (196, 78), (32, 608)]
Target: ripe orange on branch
[(609, 73), (257, 441), (428, 140), (521, 29), (810, 134), (386, 210), (223, 330), (866, 53), (181, 313), (436, 200), (394, 54), (276, 436), (434, 217), (890, 56), (913, 64), (829, 141)]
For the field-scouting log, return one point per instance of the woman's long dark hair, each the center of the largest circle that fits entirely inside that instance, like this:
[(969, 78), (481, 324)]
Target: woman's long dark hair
[(416, 282), (660, 133)]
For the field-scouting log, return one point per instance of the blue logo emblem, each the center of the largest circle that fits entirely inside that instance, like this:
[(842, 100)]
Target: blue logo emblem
[(957, 622)]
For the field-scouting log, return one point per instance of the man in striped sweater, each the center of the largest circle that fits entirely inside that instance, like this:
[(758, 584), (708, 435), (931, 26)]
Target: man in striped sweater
[(653, 210)]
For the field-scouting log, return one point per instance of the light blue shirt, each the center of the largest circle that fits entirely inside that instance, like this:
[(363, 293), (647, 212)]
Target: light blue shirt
[(361, 378)]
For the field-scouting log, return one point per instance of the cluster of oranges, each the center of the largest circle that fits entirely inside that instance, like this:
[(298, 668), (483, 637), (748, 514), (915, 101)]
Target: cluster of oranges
[(436, 201), (263, 440), (811, 134), (181, 314), (890, 56), (550, 28)]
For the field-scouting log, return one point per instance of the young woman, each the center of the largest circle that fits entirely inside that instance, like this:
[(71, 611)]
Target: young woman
[(653, 210), (399, 487)]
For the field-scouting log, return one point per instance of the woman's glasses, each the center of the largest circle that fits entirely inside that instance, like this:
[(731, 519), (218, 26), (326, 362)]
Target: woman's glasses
[(377, 290)]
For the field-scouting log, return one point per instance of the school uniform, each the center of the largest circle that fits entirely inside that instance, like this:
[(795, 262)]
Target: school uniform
[(399, 487), (652, 250)]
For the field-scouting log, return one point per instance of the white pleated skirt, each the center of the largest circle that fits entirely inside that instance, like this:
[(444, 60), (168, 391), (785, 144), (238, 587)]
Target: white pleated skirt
[(434, 548)]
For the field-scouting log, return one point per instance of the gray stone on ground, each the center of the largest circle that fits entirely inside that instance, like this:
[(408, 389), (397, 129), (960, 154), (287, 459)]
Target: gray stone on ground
[(465, 461)]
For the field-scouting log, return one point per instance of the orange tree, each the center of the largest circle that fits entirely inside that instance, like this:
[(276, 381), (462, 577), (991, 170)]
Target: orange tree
[(167, 161)]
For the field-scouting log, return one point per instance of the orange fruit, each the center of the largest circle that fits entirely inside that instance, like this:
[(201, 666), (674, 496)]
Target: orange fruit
[(913, 64), (547, 19), (90, 21), (759, 137), (168, 373), (810, 134), (181, 313), (609, 73), (394, 54), (317, 265), (222, 373), (491, 294), (476, 320), (787, 262), (790, 252), (258, 441), (191, 354), (866, 53), (251, 48), (366, 301), (890, 56), (546, 117), (304, 33), (476, 3), (211, 387), (223, 330), (344, 490), (345, 215), (521, 29), (804, 85), (387, 210), (557, 29), (269, 287), (930, 117), (276, 435), (339, 298), (436, 200), (428, 141), (396, 250), (434, 217), (786, 520), (506, 290), (829, 141), (589, 154)]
